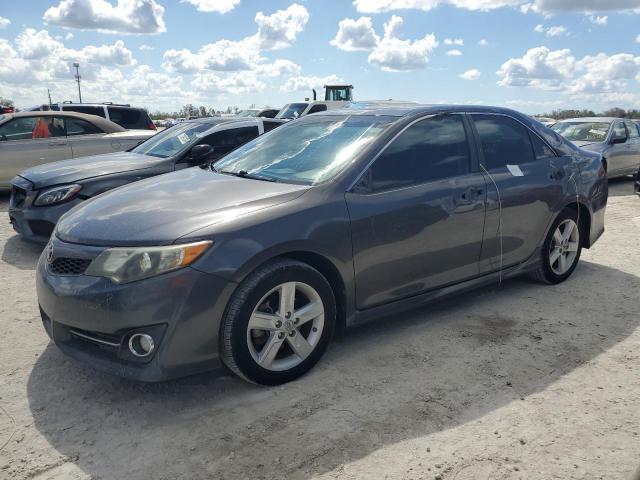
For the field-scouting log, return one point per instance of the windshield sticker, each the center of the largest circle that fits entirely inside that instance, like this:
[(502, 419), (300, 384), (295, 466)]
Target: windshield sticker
[(515, 170), (184, 138)]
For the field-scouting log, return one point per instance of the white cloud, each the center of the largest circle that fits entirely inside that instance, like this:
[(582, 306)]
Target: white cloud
[(355, 35), (126, 16), (454, 53), (223, 55), (68, 36), (4, 22), (306, 83), (454, 41), (280, 67), (146, 48), (472, 74), (483, 43), (218, 6), (235, 84), (604, 73), (638, 39), (540, 6), (539, 67), (599, 20), (280, 29), (393, 54), (553, 31)]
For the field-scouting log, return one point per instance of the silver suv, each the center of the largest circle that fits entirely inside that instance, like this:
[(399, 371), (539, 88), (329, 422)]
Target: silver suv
[(131, 118)]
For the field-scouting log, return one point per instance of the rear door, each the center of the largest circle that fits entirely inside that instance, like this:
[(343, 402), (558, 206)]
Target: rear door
[(29, 141), (88, 139), (633, 146), (619, 155), (417, 214), (526, 181)]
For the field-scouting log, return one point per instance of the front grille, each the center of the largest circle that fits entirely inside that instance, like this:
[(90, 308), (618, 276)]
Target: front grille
[(18, 196), (69, 266)]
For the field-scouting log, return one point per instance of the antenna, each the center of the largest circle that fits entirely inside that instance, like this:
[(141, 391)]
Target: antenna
[(49, 95)]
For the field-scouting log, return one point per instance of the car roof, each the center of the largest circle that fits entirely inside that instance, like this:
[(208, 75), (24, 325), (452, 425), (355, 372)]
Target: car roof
[(103, 123), (592, 119), (213, 121), (401, 109)]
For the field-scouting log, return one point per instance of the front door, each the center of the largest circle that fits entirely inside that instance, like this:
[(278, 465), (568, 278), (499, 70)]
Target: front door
[(526, 181), (417, 215)]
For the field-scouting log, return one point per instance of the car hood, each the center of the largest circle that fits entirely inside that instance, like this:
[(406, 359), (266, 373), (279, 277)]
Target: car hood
[(588, 145), (77, 169), (159, 210)]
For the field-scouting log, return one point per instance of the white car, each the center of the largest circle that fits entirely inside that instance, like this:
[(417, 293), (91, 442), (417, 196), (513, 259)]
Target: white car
[(28, 139)]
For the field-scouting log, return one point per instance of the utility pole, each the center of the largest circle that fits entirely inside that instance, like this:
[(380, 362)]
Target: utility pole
[(49, 94), (77, 65)]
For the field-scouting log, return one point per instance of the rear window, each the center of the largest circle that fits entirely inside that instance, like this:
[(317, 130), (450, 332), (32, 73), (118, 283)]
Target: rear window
[(130, 118), (99, 111)]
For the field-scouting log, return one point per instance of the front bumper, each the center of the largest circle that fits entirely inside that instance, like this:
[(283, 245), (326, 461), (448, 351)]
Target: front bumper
[(92, 318)]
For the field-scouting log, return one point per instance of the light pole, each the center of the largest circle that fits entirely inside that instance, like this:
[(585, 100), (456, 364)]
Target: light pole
[(77, 65)]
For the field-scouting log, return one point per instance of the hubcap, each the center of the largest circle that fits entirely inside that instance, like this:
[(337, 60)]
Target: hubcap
[(285, 326), (564, 247)]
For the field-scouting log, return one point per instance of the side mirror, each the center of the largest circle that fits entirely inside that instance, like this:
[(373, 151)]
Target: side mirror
[(618, 139), (199, 152)]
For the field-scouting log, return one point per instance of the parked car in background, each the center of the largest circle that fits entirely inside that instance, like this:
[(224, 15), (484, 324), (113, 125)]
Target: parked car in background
[(6, 109), (131, 118), (334, 218), (34, 138), (616, 139), (40, 195), (299, 109), (546, 121), (259, 112)]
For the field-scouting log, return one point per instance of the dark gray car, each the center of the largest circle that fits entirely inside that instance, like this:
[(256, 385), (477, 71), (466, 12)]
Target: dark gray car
[(41, 195), (335, 218), (616, 139)]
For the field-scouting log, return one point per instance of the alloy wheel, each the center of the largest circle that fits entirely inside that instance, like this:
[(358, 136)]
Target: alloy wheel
[(564, 247)]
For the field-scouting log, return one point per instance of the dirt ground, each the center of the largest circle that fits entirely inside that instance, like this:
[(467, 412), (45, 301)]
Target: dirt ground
[(521, 382)]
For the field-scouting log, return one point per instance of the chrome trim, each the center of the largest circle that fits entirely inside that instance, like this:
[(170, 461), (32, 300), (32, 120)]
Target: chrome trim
[(149, 338), (93, 339)]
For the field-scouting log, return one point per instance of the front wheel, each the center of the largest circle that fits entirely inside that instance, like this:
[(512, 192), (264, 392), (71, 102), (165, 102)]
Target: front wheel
[(278, 323), (561, 249)]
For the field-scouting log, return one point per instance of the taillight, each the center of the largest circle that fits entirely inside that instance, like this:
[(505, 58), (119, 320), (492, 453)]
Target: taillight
[(152, 127)]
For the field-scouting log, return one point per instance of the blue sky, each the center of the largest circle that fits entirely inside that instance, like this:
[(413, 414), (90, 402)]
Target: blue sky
[(532, 55)]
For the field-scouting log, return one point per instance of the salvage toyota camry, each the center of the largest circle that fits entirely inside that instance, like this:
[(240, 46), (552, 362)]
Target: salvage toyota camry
[(333, 219)]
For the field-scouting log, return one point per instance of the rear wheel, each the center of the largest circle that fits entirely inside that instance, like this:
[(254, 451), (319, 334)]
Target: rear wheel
[(561, 249), (278, 323)]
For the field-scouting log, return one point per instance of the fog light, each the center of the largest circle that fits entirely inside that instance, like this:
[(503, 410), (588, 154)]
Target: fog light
[(141, 344)]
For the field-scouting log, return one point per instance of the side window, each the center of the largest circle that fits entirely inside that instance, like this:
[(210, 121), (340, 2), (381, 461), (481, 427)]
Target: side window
[(18, 129), (268, 126), (99, 111), (431, 149), (619, 130), (504, 141), (317, 108), (130, 118), (632, 128), (540, 149), (76, 126), (226, 140)]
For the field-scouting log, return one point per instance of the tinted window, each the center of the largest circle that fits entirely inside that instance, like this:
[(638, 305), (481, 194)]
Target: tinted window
[(293, 110), (76, 126), (32, 128), (619, 130), (431, 149), (317, 108), (131, 118), (633, 130), (99, 111), (268, 126), (268, 113), (540, 149), (226, 140), (504, 141)]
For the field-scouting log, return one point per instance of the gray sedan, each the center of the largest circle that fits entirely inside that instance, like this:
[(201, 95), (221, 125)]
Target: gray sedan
[(616, 139), (28, 139), (332, 219)]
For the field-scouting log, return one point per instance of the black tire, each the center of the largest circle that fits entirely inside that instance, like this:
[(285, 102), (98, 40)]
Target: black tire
[(234, 345), (545, 272)]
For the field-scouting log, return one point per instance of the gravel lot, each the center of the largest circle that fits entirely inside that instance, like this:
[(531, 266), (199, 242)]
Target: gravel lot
[(522, 382)]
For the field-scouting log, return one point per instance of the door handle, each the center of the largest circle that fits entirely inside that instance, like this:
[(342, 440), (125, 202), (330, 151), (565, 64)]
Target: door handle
[(470, 196)]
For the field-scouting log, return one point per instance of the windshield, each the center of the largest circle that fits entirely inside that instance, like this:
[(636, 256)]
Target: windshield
[(173, 140), (248, 113), (583, 131), (293, 110), (309, 151)]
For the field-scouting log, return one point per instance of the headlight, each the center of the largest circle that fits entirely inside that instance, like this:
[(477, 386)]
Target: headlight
[(57, 195), (123, 265)]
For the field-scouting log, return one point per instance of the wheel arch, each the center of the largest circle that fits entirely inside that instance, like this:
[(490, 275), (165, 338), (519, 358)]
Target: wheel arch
[(584, 220)]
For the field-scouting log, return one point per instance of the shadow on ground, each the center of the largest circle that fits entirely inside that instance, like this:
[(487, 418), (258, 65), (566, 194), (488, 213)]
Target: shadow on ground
[(21, 254), (432, 369), (621, 186)]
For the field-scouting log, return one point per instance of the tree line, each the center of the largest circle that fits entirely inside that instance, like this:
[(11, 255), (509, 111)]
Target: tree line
[(190, 110), (612, 112)]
